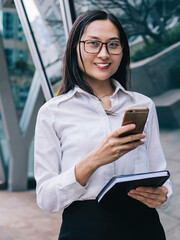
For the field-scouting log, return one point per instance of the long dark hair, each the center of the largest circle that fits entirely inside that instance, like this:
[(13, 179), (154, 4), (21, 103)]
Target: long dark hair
[(71, 71)]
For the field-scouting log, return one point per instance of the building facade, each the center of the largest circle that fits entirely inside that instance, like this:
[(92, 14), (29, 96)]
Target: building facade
[(33, 35)]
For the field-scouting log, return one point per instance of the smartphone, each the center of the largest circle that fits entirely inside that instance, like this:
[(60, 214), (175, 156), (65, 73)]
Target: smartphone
[(138, 116)]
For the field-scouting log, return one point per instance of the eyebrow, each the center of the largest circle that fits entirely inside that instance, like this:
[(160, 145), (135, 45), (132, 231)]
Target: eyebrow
[(112, 38)]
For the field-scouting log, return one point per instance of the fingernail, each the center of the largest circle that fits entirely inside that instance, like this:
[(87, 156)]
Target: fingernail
[(132, 191)]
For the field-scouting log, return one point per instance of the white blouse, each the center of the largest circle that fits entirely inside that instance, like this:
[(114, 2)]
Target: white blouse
[(69, 126)]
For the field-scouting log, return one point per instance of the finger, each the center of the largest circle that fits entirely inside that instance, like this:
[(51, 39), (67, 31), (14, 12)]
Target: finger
[(148, 198), (123, 149), (138, 196), (147, 201), (132, 138), (123, 129), (145, 195), (128, 139), (130, 146), (154, 190)]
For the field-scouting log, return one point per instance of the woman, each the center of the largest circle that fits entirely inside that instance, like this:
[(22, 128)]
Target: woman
[(78, 147)]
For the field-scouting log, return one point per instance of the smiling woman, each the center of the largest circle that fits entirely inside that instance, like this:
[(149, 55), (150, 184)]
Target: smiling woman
[(96, 62), (79, 147)]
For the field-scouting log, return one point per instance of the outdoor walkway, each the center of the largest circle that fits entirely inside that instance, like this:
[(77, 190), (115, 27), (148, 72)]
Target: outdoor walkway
[(21, 219), (171, 216)]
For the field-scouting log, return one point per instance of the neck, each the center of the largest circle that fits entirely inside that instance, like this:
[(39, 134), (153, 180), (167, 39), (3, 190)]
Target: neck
[(102, 88), (104, 91), (106, 95)]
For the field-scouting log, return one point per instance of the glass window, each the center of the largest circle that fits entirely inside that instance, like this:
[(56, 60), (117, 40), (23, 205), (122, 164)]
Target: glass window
[(20, 69), (20, 65), (46, 22), (56, 2), (4, 152), (148, 28)]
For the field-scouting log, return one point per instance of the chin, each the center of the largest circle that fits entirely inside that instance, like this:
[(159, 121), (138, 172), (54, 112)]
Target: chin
[(102, 77)]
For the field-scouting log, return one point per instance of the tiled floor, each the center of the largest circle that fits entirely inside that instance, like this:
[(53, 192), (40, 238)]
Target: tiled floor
[(21, 219)]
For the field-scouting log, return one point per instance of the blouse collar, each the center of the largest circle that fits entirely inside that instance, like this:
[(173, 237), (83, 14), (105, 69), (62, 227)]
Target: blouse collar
[(72, 92)]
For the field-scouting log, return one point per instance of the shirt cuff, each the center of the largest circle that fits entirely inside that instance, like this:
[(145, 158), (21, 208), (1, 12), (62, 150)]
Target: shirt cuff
[(67, 187), (168, 185)]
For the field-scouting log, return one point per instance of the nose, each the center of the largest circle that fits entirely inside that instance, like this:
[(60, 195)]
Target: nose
[(103, 52)]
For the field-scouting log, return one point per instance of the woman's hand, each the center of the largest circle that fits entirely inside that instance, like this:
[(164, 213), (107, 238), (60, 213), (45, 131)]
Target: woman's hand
[(110, 149), (114, 146), (152, 197)]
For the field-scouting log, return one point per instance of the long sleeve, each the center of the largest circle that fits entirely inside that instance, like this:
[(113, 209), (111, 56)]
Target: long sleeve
[(55, 189)]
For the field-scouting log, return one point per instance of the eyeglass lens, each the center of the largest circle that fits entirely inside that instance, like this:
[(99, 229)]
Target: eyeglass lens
[(113, 47)]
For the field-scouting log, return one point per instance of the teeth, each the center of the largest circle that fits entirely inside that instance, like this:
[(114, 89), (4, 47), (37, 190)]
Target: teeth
[(103, 65)]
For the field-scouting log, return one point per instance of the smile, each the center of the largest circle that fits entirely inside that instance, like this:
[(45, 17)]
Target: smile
[(102, 64)]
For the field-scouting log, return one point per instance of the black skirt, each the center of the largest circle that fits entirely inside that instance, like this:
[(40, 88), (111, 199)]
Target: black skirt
[(89, 220)]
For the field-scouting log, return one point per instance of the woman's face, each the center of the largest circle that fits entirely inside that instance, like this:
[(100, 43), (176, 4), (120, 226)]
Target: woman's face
[(100, 66)]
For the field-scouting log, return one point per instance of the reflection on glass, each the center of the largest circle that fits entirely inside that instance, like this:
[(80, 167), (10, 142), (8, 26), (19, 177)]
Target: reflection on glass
[(31, 160), (85, 5), (19, 62), (4, 149), (46, 22)]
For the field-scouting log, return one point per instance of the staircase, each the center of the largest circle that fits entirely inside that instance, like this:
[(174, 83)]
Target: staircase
[(168, 108)]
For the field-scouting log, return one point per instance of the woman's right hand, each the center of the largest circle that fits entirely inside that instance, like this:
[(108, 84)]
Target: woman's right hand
[(110, 149), (114, 146)]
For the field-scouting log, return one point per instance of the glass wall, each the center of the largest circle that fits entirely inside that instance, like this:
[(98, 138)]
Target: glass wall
[(19, 62), (46, 22), (20, 70), (4, 154)]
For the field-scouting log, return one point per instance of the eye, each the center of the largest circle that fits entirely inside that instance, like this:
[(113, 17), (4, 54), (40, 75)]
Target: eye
[(114, 44), (93, 44)]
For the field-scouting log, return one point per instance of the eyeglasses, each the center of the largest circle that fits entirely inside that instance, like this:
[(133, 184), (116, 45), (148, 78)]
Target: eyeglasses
[(94, 47)]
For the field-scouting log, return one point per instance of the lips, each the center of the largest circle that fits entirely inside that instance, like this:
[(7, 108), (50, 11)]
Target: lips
[(103, 65)]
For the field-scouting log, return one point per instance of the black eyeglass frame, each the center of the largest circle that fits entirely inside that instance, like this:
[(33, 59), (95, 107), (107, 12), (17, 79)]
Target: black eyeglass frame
[(102, 43)]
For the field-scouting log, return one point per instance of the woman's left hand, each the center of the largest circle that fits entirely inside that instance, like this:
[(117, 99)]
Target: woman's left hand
[(152, 197)]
